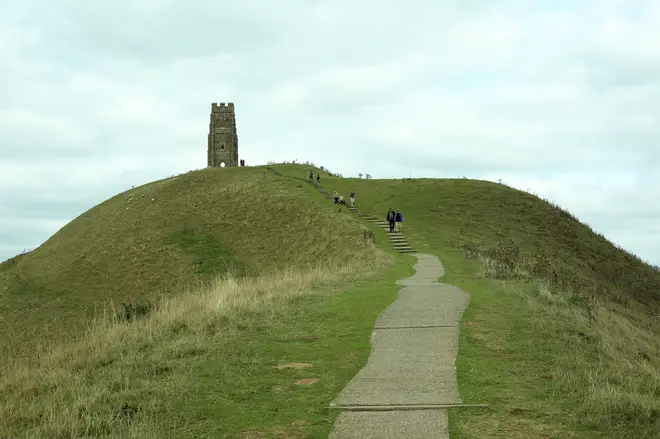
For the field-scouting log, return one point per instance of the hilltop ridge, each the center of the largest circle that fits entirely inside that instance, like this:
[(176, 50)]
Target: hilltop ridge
[(164, 237), (560, 338)]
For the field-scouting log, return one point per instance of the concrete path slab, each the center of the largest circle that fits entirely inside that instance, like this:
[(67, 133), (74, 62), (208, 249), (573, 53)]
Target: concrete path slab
[(412, 362), (407, 366), (422, 424), (423, 307)]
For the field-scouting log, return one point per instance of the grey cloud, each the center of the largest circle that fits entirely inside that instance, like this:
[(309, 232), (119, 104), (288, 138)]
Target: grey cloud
[(98, 98)]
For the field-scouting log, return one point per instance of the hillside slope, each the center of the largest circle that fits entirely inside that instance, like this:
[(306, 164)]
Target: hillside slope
[(440, 214), (561, 337), (164, 237)]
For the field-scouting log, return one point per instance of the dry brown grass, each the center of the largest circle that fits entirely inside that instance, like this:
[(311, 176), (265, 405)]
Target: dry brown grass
[(78, 389), (572, 364), (610, 360), (164, 238)]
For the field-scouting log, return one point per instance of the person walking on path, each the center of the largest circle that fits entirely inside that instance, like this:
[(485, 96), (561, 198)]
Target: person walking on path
[(335, 195), (399, 220), (318, 180), (390, 219), (311, 176), (341, 199), (352, 197)]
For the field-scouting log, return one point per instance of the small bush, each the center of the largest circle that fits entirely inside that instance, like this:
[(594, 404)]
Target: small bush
[(502, 260)]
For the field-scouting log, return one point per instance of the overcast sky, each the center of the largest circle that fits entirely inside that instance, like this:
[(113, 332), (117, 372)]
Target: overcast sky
[(561, 98)]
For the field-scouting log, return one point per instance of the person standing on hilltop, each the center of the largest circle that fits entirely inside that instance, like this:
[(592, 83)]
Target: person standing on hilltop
[(390, 219), (352, 197), (399, 220)]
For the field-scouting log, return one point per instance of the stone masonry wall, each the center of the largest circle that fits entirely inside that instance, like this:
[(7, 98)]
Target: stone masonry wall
[(222, 138)]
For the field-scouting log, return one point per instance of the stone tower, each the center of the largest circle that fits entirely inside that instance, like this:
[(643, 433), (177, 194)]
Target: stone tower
[(223, 141)]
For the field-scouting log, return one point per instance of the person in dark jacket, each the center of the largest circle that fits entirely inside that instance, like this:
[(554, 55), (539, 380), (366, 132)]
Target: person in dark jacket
[(352, 197), (391, 216), (311, 176), (399, 220), (318, 180)]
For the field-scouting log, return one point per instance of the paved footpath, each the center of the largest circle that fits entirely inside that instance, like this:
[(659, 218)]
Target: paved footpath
[(411, 369)]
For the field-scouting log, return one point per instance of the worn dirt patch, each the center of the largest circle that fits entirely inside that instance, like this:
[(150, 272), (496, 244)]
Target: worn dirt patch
[(299, 423), (279, 388), (307, 381), (294, 366), (251, 434)]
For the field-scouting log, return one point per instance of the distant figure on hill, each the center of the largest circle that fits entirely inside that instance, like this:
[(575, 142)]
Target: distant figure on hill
[(335, 195), (399, 220), (311, 176), (352, 197), (391, 216), (318, 180)]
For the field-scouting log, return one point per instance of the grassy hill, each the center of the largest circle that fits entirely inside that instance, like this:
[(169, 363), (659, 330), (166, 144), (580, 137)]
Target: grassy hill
[(164, 237), (237, 267), (560, 337)]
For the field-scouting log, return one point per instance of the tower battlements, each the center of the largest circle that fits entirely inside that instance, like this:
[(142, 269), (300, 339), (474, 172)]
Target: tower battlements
[(222, 107), (222, 138)]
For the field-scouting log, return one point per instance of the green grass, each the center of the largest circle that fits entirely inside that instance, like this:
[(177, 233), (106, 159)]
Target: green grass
[(163, 238), (229, 273), (561, 336), (191, 371)]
